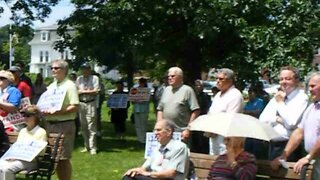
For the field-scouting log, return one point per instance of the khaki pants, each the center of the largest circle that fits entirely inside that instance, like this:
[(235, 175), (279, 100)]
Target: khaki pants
[(88, 121)]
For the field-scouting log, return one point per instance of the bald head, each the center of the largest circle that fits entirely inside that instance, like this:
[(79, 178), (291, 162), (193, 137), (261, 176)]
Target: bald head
[(314, 86)]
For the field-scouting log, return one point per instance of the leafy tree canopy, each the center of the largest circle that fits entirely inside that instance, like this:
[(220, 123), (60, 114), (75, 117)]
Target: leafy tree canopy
[(196, 34), (24, 12)]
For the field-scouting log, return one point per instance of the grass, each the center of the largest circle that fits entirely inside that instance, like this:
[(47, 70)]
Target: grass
[(114, 157)]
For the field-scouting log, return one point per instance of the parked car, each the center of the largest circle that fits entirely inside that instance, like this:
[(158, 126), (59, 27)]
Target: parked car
[(208, 85)]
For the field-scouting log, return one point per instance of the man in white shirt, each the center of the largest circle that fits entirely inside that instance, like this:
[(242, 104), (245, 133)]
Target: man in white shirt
[(88, 89), (228, 99), (284, 112)]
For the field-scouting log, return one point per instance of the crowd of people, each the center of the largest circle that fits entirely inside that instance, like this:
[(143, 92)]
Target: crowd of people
[(289, 112), (177, 105)]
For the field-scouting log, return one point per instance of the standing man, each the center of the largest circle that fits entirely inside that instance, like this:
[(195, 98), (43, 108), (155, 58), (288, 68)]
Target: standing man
[(228, 99), (284, 112), (88, 89), (178, 103), (62, 121), (309, 131)]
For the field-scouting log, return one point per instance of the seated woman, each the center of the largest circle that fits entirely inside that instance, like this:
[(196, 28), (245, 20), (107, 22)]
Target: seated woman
[(235, 164), (33, 131)]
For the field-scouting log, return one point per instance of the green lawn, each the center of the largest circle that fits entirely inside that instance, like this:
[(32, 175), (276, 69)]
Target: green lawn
[(114, 156)]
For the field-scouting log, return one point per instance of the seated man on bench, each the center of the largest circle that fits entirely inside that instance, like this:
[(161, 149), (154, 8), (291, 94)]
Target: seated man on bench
[(33, 131), (166, 162)]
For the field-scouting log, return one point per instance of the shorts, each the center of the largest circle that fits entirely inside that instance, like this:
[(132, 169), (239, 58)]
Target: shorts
[(67, 128)]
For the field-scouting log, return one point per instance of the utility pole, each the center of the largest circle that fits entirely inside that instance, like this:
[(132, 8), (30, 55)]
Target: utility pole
[(10, 46), (11, 58)]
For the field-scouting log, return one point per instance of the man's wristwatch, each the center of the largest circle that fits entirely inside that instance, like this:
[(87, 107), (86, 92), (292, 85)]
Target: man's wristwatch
[(310, 161)]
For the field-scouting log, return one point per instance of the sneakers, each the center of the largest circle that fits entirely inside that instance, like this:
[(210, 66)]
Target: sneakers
[(84, 150), (93, 152)]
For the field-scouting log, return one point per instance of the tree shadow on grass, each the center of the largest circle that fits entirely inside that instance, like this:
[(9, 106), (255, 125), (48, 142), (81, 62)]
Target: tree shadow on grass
[(110, 143)]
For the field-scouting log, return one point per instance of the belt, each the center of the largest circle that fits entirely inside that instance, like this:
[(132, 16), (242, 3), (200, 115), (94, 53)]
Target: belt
[(86, 101)]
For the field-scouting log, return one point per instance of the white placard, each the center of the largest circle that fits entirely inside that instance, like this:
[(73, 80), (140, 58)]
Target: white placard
[(15, 118), (25, 150), (139, 94), (152, 142), (118, 101), (52, 99)]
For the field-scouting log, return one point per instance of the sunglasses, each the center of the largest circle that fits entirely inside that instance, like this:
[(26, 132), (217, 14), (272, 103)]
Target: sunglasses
[(26, 115), (55, 68), (2, 78)]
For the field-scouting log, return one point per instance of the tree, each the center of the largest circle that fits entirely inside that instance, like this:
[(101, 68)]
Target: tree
[(20, 45), (196, 34), (24, 12)]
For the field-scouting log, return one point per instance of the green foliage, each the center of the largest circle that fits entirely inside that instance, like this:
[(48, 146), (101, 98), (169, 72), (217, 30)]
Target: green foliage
[(196, 34), (24, 12), (21, 37)]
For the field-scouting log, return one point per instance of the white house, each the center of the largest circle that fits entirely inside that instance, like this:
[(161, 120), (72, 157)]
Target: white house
[(43, 52)]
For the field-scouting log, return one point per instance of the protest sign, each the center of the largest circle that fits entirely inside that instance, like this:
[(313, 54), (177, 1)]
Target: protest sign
[(52, 99), (152, 143), (139, 94), (24, 102), (25, 150), (118, 101), (16, 118)]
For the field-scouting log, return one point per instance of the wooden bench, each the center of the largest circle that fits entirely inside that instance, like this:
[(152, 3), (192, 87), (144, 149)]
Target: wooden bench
[(203, 162), (48, 162)]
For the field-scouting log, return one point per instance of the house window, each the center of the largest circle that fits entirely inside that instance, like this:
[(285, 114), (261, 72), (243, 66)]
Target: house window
[(47, 56), (41, 56), (45, 36), (41, 71)]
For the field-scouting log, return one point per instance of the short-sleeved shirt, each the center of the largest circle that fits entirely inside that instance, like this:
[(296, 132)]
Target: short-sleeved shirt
[(91, 83), (71, 97), (311, 124), (11, 95), (174, 155), (25, 89), (37, 133), (229, 101), (177, 104)]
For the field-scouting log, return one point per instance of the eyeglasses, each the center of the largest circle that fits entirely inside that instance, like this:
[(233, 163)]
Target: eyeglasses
[(55, 68), (220, 79), (2, 78)]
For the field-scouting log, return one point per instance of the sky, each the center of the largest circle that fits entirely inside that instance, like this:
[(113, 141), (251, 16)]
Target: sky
[(63, 9)]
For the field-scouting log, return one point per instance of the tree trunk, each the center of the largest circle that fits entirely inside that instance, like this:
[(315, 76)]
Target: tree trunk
[(191, 62)]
